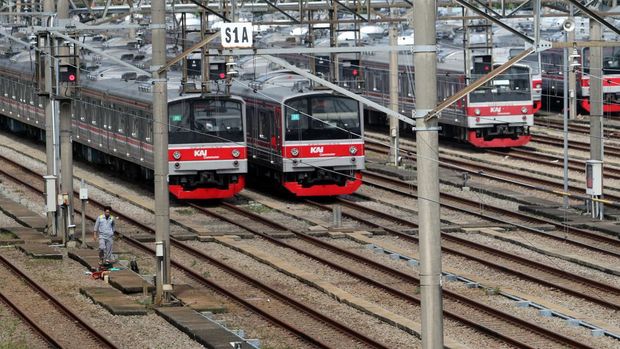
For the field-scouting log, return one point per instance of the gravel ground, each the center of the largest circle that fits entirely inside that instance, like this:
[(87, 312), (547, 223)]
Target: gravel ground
[(361, 322), (237, 317), (16, 334), (505, 281)]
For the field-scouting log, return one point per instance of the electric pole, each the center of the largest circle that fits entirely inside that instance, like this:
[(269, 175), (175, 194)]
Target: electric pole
[(425, 65), (393, 94), (66, 149), (50, 108), (596, 101), (160, 148), (572, 78)]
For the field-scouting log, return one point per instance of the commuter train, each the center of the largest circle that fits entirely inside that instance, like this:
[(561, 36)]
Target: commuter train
[(498, 114), (308, 141), (553, 74), (113, 126)]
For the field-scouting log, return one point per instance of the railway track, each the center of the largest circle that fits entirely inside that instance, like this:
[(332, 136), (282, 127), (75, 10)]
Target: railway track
[(582, 238), (45, 313), (574, 127), (316, 326), (477, 315), (610, 150), (585, 288), (488, 320)]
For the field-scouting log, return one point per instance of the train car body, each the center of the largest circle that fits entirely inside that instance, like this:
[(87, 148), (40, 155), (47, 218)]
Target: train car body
[(553, 77), (309, 142), (113, 126), (498, 114)]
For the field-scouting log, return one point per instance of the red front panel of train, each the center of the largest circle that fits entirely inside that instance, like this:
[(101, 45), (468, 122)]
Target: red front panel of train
[(205, 153), (323, 150)]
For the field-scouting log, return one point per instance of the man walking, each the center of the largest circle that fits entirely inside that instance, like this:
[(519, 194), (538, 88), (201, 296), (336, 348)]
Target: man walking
[(104, 231)]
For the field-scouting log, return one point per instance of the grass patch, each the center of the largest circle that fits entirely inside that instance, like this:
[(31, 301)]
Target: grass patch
[(7, 235), (258, 208), (185, 211)]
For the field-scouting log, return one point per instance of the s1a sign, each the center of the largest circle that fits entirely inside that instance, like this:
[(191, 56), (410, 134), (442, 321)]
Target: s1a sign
[(236, 35)]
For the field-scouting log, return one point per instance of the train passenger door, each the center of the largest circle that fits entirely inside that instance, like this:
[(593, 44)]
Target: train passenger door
[(120, 129)]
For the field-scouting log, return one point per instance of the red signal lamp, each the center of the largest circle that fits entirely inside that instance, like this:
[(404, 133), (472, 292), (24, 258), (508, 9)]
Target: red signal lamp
[(355, 72), (222, 75), (71, 77)]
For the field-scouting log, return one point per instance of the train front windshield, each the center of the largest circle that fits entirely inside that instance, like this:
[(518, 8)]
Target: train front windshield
[(321, 118), (205, 121), (512, 85)]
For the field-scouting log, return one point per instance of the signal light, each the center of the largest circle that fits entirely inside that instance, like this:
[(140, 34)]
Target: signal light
[(67, 73), (217, 71), (350, 69)]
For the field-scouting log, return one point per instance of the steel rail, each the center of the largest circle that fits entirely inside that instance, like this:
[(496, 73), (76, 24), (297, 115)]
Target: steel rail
[(601, 287), (552, 160), (277, 294), (31, 323), (475, 305), (58, 304), (391, 271), (521, 216), (492, 173), (610, 150)]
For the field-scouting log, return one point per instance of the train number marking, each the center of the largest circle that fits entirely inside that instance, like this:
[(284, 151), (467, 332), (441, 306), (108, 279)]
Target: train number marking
[(316, 150), (496, 109), (236, 35)]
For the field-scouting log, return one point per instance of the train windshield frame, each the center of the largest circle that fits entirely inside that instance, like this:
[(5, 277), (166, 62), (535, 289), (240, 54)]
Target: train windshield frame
[(512, 85), (322, 117), (611, 60), (214, 120)]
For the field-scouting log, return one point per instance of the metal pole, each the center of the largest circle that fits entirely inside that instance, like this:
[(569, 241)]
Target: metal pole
[(50, 155), (66, 150), (565, 118), (596, 100), (160, 146), (425, 65), (572, 78), (394, 95)]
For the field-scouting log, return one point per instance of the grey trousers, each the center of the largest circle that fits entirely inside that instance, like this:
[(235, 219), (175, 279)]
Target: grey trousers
[(105, 245)]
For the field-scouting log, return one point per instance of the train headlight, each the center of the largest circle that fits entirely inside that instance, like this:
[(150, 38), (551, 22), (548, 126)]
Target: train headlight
[(353, 150), (477, 111), (236, 153), (524, 110), (294, 151), (176, 155)]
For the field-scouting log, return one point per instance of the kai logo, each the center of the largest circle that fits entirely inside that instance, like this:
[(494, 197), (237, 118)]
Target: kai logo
[(316, 150), (200, 153), (496, 109)]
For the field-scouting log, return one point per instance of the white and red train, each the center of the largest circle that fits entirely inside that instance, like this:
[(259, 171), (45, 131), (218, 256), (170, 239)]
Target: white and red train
[(498, 114), (309, 142), (553, 74), (113, 126)]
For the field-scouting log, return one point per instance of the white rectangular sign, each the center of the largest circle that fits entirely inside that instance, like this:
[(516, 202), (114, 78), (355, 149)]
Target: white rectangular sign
[(236, 35)]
